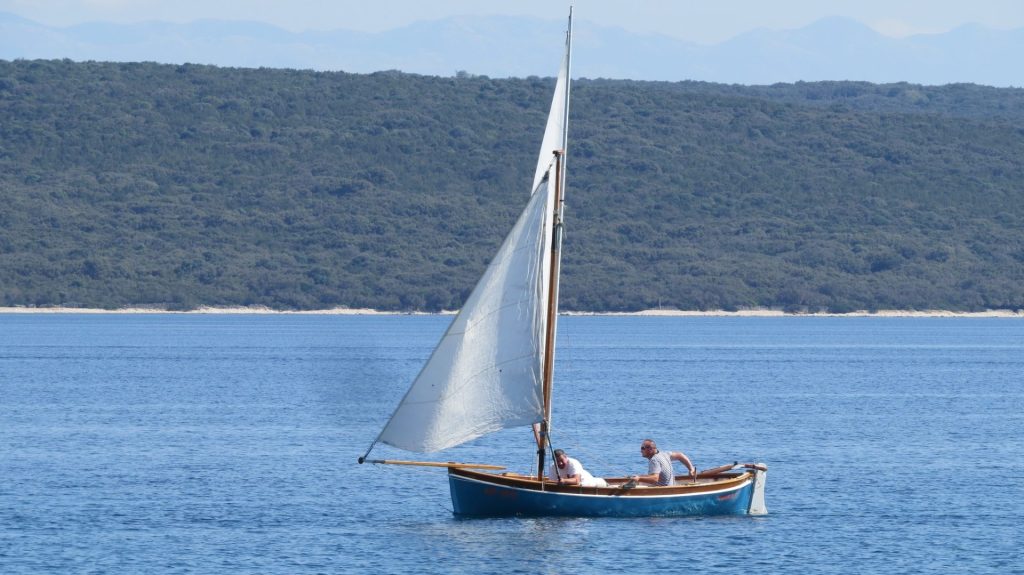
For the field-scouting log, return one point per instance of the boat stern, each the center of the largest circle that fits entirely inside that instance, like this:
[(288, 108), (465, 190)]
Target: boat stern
[(757, 505)]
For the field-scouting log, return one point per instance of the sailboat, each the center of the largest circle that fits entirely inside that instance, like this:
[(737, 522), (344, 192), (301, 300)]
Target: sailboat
[(493, 369)]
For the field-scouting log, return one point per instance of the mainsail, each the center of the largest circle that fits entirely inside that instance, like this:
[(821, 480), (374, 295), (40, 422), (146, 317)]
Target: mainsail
[(487, 372)]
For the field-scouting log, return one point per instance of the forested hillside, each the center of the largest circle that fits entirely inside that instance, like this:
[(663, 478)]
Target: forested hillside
[(180, 186)]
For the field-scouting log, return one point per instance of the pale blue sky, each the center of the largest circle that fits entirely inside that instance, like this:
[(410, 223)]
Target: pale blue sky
[(702, 21)]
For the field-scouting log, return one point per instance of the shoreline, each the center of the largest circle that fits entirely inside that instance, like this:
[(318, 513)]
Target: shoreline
[(645, 313)]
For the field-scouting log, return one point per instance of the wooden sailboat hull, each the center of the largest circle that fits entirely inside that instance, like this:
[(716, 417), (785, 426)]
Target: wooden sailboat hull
[(476, 494)]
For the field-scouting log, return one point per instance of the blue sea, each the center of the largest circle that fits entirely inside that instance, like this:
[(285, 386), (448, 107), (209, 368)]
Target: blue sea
[(228, 444)]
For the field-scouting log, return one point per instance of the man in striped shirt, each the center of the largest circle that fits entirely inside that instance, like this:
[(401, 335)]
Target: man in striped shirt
[(659, 468)]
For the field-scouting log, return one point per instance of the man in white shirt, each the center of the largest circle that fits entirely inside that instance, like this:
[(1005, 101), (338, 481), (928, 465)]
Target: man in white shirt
[(568, 471)]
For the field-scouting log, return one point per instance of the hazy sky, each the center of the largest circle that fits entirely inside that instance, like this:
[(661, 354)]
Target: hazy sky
[(704, 21)]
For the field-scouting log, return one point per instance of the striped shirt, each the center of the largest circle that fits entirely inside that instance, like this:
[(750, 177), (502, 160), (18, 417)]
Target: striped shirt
[(661, 464)]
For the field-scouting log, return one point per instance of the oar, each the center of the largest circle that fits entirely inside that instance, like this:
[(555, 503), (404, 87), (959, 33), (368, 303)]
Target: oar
[(729, 467), (717, 470)]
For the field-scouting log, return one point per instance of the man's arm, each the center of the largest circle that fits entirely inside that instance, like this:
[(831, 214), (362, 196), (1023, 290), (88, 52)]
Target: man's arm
[(682, 458), (650, 478), (572, 474)]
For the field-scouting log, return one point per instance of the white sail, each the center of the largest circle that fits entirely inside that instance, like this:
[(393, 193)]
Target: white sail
[(555, 132), (486, 372)]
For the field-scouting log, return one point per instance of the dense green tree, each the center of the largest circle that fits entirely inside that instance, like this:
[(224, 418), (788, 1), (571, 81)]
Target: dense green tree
[(181, 186)]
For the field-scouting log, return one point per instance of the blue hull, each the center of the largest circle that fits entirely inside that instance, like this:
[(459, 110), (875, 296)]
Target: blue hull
[(479, 497)]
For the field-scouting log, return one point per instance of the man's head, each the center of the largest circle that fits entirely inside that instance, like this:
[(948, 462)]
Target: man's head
[(648, 448), (561, 458)]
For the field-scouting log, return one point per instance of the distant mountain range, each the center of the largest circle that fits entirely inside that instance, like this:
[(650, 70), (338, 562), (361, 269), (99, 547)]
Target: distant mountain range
[(503, 46)]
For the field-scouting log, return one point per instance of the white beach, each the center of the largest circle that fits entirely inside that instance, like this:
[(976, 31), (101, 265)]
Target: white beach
[(645, 313)]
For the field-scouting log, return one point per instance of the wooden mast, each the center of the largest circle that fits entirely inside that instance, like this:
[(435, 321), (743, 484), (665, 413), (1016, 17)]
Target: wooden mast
[(552, 315), (555, 267)]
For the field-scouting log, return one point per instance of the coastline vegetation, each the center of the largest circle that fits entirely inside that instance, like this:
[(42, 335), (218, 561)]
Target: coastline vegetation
[(176, 187)]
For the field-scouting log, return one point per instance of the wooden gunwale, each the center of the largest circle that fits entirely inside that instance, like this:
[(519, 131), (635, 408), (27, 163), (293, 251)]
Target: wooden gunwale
[(723, 481)]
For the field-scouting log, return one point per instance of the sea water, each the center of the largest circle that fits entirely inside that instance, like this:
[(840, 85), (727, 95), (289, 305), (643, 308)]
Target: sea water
[(228, 444)]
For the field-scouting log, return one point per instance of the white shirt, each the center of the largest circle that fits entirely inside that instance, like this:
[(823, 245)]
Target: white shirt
[(572, 468)]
